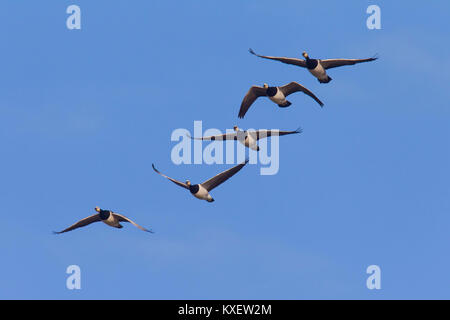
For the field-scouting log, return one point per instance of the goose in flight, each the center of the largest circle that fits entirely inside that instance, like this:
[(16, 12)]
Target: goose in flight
[(317, 67), (248, 138), (275, 94), (106, 216), (201, 191)]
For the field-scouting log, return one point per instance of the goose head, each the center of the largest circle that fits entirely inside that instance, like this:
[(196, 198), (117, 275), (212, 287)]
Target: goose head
[(97, 209), (266, 86), (305, 55)]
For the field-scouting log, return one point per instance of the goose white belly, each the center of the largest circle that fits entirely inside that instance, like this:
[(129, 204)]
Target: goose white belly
[(202, 193), (250, 142), (111, 221), (319, 72), (278, 98)]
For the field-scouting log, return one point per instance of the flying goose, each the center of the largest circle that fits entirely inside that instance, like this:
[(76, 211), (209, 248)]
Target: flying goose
[(317, 67), (276, 94), (201, 191), (248, 138), (110, 218)]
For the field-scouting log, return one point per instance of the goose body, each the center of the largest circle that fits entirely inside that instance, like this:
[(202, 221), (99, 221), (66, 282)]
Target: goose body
[(316, 67), (201, 190), (318, 71), (250, 142), (108, 217), (248, 138), (275, 94)]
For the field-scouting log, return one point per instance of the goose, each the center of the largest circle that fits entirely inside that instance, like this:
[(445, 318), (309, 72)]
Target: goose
[(112, 219), (316, 67), (275, 94), (201, 191), (248, 138)]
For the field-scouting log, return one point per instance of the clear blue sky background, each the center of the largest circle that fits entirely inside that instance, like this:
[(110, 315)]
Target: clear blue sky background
[(83, 114)]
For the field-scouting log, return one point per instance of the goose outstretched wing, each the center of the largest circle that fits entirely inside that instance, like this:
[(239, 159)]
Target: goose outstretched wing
[(295, 87), (81, 223), (333, 63), (264, 133), (181, 184), (122, 218), (294, 61), (222, 177), (225, 136), (254, 93)]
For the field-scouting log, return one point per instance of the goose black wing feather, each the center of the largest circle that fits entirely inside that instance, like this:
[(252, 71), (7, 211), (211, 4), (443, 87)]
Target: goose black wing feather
[(295, 87), (225, 136), (222, 177), (333, 63), (253, 93), (81, 223), (261, 134), (181, 184), (293, 61), (122, 218)]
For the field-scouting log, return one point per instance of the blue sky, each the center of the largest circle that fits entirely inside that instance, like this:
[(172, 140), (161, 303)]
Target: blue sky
[(84, 114)]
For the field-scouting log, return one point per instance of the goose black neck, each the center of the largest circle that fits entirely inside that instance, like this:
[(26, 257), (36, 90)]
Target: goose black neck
[(311, 63), (271, 91), (104, 214), (193, 188)]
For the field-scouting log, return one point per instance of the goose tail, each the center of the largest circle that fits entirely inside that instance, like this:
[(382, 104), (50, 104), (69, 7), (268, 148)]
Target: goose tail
[(285, 104), (328, 79)]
